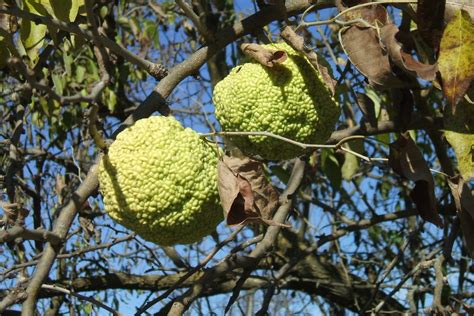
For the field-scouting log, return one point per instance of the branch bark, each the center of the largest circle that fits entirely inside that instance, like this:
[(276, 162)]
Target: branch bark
[(156, 101)]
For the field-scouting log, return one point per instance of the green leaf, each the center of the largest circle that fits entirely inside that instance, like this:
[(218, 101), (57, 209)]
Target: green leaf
[(384, 138), (77, 41), (65, 10), (111, 100), (32, 34), (351, 162), (68, 60), (456, 57), (58, 81), (372, 95), (330, 167), (92, 71), (80, 72)]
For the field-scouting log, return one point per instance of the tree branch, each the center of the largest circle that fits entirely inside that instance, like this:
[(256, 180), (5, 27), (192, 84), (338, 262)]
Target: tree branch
[(182, 303), (66, 215), (383, 127), (19, 231)]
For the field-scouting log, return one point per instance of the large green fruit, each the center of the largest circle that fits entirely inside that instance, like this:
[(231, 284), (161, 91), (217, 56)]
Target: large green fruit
[(290, 100), (160, 180)]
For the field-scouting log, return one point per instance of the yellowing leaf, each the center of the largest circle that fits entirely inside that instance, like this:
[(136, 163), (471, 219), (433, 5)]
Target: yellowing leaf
[(32, 34), (456, 57), (460, 135), (463, 145)]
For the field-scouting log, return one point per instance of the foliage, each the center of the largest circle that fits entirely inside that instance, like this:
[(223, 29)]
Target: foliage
[(73, 74)]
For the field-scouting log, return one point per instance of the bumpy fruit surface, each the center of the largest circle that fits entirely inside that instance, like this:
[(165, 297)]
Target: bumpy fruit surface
[(160, 180), (290, 100)]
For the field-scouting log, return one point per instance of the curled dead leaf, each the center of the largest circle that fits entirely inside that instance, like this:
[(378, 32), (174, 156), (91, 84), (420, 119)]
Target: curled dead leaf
[(430, 21), (297, 43), (363, 48), (367, 107), (464, 200), (14, 213), (265, 56), (402, 59), (407, 160), (246, 194), (373, 14), (362, 45)]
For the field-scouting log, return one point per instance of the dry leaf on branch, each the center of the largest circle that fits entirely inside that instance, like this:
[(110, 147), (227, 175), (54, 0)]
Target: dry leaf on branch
[(362, 46), (373, 49), (266, 57), (373, 14), (402, 59), (464, 200), (404, 103), (297, 43), (367, 106), (430, 21), (246, 194), (14, 214), (406, 159)]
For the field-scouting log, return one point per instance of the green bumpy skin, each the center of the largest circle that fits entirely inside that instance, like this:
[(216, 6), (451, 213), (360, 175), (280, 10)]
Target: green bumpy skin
[(160, 180), (289, 100)]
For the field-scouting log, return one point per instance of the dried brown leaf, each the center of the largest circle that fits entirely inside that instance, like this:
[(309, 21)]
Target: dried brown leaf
[(453, 6), (425, 201), (266, 57), (464, 200), (14, 213), (467, 227), (407, 160), (403, 102), (297, 43), (373, 14), (402, 59), (232, 199), (367, 107), (87, 226), (246, 194), (463, 196), (430, 21), (363, 48)]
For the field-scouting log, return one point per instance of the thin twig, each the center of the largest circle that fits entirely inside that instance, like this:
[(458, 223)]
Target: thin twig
[(285, 139), (182, 303), (336, 20), (190, 272), (426, 263), (80, 296), (96, 136), (156, 70), (208, 36)]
